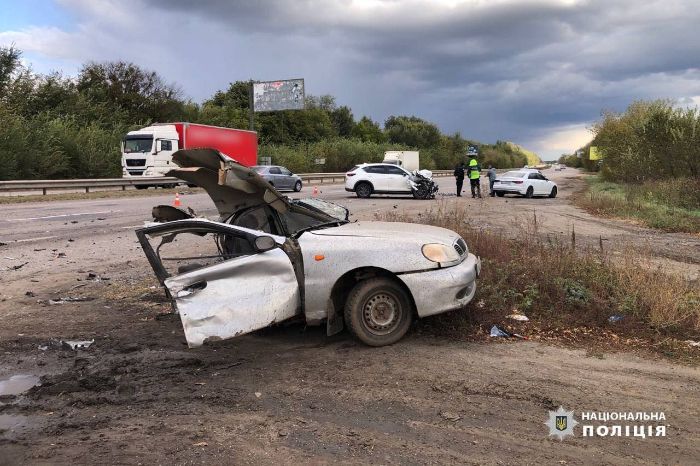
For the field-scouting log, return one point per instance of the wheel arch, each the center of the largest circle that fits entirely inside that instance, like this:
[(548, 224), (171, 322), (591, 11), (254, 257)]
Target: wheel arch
[(346, 282), (371, 185)]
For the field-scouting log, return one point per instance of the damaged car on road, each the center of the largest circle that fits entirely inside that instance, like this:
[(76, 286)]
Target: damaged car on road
[(269, 258)]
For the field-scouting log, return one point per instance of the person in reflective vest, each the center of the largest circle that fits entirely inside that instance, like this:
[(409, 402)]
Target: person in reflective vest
[(474, 171)]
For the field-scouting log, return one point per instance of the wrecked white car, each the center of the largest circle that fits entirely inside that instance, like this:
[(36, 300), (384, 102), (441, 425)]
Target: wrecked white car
[(270, 258)]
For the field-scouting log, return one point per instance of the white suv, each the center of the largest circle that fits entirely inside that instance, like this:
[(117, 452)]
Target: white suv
[(377, 178)]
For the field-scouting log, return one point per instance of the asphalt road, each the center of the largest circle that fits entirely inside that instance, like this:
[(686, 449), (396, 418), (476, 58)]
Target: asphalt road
[(80, 234)]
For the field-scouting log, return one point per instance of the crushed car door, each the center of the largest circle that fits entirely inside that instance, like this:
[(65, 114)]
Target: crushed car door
[(250, 285)]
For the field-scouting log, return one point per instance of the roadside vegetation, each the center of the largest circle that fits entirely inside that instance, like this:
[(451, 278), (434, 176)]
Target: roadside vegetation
[(649, 168), (55, 126), (670, 205), (569, 293)]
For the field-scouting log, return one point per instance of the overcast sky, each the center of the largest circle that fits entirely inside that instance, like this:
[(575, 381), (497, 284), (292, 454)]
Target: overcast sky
[(536, 72)]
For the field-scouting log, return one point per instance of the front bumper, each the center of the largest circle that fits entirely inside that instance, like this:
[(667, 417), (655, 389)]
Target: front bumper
[(441, 290)]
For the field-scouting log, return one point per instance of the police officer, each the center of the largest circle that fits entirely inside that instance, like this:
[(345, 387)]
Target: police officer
[(459, 177), (474, 172)]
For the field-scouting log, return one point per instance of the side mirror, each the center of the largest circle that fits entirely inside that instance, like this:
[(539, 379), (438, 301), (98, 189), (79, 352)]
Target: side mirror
[(264, 243), (156, 147)]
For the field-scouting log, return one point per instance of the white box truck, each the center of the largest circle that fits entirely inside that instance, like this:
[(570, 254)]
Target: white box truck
[(406, 159)]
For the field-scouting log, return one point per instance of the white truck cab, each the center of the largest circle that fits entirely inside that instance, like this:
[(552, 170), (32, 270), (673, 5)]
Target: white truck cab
[(148, 152)]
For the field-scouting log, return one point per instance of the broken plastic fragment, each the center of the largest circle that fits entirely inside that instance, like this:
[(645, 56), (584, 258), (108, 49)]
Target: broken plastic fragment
[(518, 317), (78, 344), (496, 331)]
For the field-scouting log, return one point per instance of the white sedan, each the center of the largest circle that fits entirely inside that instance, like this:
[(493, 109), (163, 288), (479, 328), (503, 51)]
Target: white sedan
[(269, 259), (527, 183)]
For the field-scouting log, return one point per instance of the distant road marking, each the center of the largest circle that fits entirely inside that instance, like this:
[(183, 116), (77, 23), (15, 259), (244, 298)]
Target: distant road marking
[(132, 226), (34, 239), (61, 216)]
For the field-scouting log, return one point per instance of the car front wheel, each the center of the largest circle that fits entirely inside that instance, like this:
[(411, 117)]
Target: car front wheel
[(363, 190), (378, 311), (297, 186)]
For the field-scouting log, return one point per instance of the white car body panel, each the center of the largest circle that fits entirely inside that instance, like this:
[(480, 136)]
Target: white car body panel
[(241, 295), (390, 246)]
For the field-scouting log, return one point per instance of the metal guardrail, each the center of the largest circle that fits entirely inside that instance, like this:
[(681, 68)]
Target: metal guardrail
[(87, 184)]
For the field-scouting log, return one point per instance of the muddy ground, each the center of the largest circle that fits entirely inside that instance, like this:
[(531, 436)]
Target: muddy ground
[(290, 394)]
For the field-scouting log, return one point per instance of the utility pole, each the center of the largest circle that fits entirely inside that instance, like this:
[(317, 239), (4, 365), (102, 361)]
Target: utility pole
[(251, 109)]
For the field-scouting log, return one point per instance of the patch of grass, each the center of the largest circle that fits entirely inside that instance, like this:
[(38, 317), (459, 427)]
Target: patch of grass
[(564, 289), (669, 205)]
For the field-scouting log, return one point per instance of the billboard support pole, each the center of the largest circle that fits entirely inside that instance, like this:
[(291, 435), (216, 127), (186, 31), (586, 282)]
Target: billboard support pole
[(251, 110)]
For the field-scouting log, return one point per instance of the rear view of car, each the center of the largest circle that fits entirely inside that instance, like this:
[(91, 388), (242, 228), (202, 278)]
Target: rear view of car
[(526, 183)]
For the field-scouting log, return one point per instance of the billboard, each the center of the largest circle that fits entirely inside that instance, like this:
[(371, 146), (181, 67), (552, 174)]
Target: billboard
[(593, 153), (270, 96)]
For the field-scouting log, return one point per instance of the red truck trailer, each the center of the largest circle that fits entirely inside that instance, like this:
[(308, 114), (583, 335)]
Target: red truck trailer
[(148, 152)]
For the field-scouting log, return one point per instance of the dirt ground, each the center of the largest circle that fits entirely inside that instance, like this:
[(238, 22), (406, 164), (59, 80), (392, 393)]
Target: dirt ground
[(288, 395)]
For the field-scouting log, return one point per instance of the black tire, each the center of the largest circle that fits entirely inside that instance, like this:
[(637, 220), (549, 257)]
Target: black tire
[(553, 194), (297, 186), (378, 311), (500, 193), (529, 192), (141, 186), (363, 189), (421, 193)]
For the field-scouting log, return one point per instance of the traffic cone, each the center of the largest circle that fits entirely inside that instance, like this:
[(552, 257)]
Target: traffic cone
[(176, 202), (315, 192)]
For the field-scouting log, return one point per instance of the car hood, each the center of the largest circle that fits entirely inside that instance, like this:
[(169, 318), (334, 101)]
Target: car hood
[(230, 185), (392, 230)]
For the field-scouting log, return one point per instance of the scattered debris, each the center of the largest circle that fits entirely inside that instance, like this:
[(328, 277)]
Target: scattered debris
[(497, 331), (448, 416), (283, 433), (696, 344), (615, 318), (61, 254), (69, 299), (39, 249), (3, 244), (95, 277), (29, 293), (101, 218), (78, 344), (200, 444), (43, 347), (17, 267), (518, 317), (258, 394)]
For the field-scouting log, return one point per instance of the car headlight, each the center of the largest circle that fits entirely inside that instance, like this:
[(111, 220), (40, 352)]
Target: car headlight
[(437, 252)]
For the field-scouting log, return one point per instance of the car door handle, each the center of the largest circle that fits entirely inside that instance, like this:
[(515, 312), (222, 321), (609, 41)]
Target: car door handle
[(191, 289)]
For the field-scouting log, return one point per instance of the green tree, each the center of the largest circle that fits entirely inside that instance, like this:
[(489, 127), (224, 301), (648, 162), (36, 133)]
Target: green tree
[(368, 131), (411, 131)]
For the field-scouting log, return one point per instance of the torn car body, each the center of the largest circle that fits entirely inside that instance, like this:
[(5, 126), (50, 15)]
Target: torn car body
[(277, 258)]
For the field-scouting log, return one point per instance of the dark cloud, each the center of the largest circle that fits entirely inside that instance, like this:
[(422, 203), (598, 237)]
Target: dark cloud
[(491, 70)]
